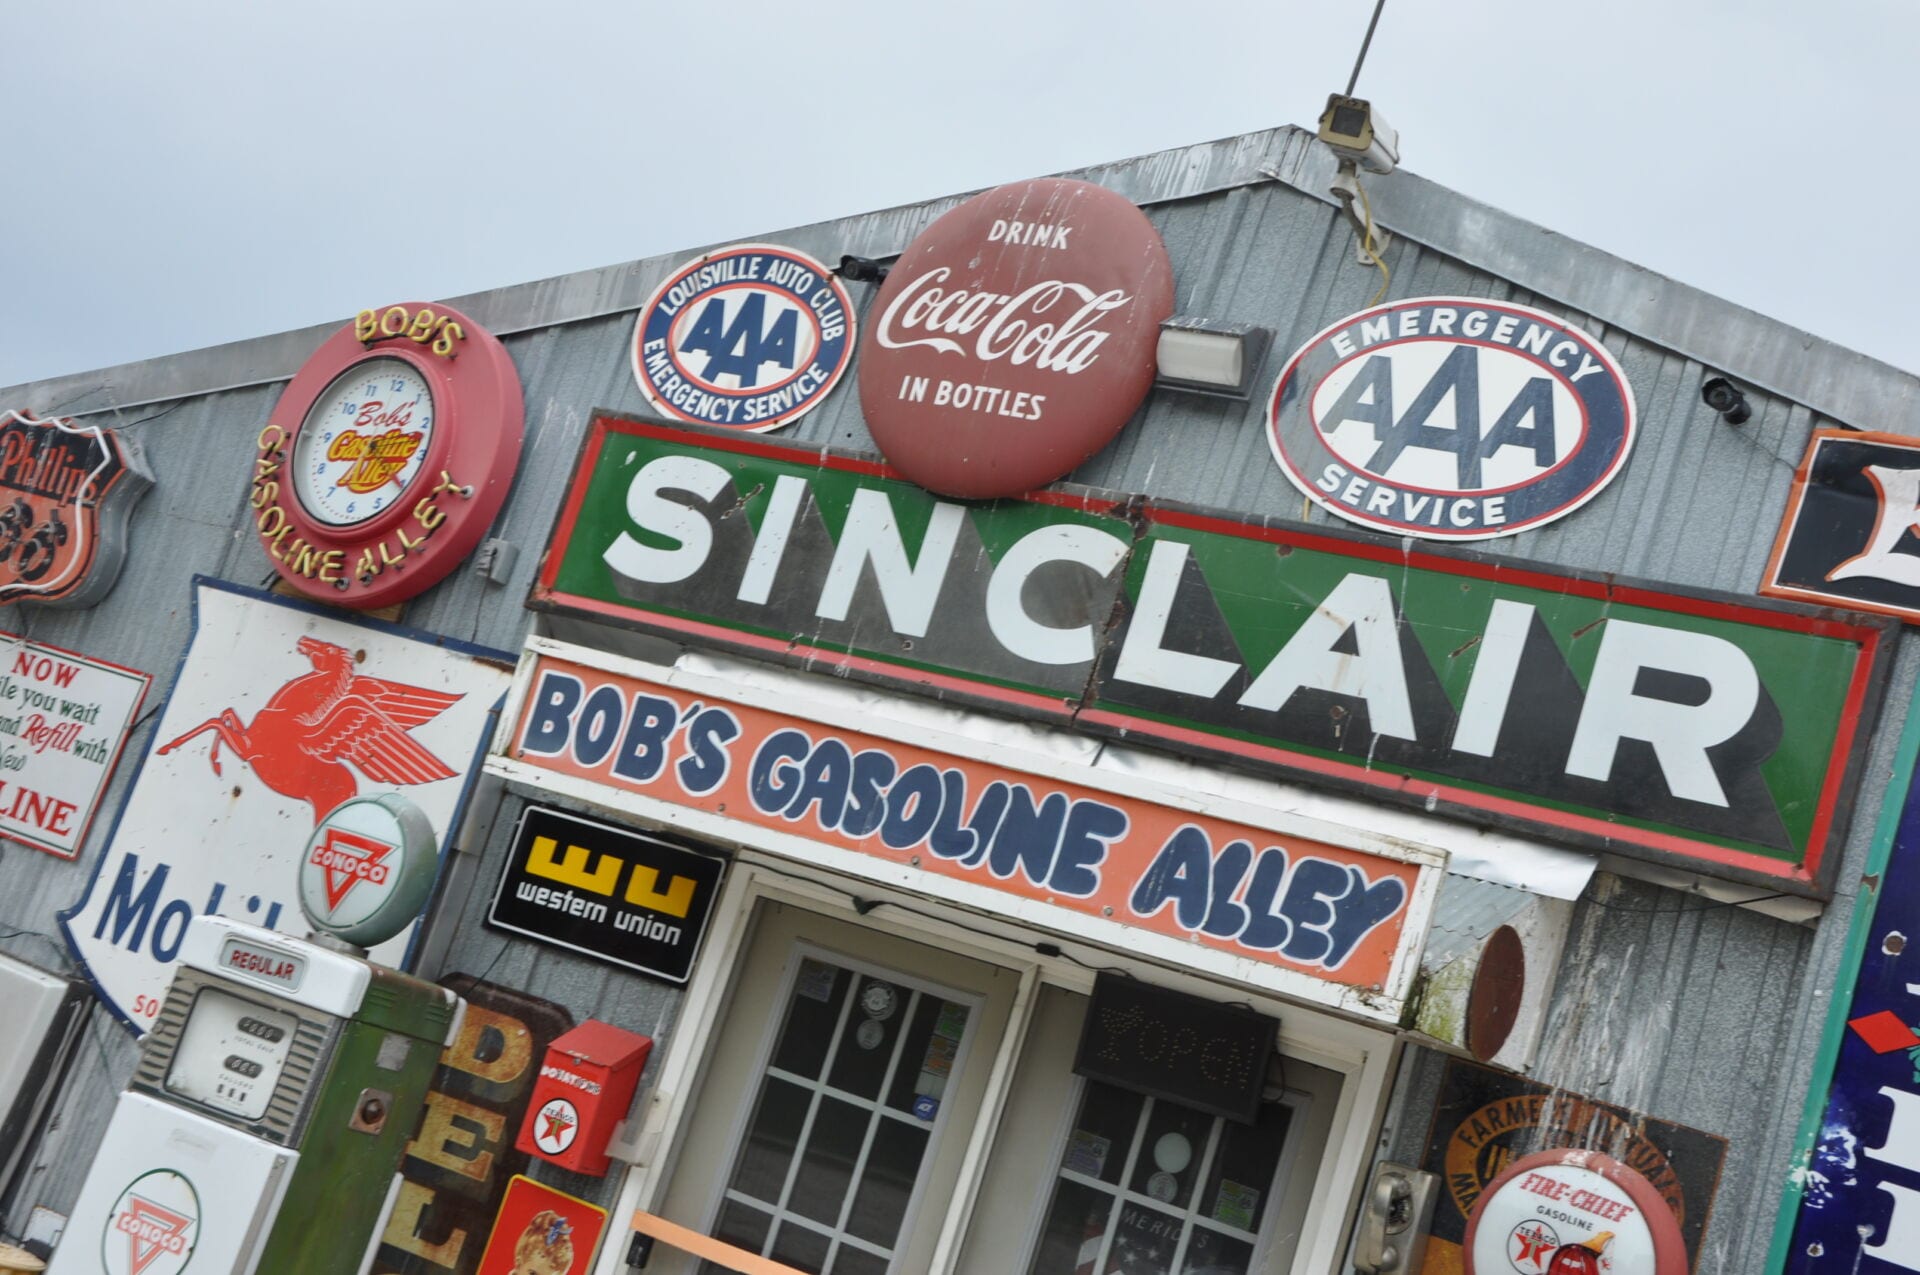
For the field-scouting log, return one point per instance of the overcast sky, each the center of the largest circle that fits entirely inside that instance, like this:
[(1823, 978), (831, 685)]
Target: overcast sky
[(183, 174)]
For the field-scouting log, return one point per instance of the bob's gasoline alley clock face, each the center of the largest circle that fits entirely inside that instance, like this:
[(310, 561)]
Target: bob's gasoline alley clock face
[(364, 442)]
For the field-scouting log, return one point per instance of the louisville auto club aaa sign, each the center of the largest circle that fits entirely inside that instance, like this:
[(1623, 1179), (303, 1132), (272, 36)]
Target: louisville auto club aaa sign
[(749, 337), (1449, 418), (278, 714)]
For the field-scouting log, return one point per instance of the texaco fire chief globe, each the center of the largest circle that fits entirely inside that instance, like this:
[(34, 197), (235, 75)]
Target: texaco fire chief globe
[(1450, 418), (388, 456)]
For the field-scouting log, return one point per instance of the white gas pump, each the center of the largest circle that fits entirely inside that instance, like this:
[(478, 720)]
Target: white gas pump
[(275, 1094)]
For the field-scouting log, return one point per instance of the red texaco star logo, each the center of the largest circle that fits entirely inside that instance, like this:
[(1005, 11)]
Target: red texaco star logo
[(559, 1123), (1532, 1244)]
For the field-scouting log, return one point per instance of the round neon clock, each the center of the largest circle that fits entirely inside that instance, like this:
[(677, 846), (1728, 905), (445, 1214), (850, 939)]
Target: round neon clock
[(388, 456)]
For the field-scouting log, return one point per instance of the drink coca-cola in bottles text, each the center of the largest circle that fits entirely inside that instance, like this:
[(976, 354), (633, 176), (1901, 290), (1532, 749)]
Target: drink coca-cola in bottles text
[(1015, 337)]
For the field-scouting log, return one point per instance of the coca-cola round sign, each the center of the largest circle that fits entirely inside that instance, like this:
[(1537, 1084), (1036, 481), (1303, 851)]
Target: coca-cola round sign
[(1015, 337)]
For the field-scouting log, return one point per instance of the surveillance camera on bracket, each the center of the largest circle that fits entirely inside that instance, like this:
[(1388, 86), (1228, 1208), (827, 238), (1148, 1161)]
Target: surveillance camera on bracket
[(1358, 134)]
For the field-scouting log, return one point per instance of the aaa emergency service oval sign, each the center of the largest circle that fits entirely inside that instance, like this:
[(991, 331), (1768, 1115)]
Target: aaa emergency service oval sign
[(749, 337), (1449, 418)]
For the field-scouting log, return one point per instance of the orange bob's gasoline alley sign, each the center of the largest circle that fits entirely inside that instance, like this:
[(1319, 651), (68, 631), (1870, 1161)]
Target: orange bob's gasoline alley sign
[(1326, 922)]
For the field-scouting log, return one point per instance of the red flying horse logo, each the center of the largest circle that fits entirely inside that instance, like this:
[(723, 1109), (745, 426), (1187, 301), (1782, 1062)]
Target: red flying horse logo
[(300, 743)]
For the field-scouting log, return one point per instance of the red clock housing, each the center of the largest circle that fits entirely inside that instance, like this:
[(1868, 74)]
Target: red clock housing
[(368, 491)]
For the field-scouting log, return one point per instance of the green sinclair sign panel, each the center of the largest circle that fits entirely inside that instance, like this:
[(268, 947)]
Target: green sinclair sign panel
[(1713, 733)]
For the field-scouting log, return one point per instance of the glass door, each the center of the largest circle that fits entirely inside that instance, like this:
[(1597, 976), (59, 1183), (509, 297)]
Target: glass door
[(838, 1096), (827, 1169), (1145, 1186)]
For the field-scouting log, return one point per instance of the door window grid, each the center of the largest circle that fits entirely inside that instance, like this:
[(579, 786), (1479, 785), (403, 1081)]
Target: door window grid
[(1188, 1211), (778, 1215)]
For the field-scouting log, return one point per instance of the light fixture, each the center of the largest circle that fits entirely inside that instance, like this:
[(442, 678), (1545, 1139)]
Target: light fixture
[(1206, 356)]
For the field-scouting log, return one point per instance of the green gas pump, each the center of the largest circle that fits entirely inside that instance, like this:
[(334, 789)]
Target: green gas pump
[(274, 1097)]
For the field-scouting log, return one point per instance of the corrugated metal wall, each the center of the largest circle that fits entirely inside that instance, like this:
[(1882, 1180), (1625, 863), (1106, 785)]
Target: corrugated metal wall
[(1701, 1015)]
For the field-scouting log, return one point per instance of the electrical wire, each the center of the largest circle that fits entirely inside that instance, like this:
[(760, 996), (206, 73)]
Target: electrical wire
[(1366, 239)]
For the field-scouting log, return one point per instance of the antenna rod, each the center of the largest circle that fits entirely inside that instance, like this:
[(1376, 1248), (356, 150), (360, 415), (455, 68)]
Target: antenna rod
[(1371, 24)]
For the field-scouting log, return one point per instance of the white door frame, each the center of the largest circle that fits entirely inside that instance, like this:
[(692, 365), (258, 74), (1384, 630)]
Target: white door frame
[(1364, 1055)]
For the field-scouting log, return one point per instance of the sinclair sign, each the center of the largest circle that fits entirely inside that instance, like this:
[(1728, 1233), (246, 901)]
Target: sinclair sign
[(1709, 732)]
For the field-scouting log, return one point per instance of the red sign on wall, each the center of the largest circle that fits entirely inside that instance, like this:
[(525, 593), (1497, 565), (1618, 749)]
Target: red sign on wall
[(1015, 337), (66, 493), (387, 457), (541, 1231)]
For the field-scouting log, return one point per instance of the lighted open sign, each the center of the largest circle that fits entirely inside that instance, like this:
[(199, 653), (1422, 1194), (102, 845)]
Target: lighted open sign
[(1167, 1044)]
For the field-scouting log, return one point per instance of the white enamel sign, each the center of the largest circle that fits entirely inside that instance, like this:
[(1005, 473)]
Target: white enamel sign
[(64, 718), (279, 713)]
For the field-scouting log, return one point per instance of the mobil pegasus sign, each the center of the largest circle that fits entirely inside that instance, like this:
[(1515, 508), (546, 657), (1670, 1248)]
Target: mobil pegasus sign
[(1711, 732), (1449, 418)]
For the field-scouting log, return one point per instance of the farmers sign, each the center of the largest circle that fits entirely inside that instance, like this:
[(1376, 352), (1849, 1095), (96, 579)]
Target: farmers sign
[(1710, 732)]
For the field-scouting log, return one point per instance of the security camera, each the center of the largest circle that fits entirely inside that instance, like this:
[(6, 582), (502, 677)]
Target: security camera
[(1725, 398), (861, 270), (1356, 132)]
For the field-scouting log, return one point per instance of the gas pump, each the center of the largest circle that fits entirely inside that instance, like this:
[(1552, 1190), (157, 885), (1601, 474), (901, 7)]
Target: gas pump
[(274, 1097)]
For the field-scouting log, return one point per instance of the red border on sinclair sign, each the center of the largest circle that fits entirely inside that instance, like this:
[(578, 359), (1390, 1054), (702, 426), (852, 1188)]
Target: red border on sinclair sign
[(479, 423), (1669, 1246), (1803, 878)]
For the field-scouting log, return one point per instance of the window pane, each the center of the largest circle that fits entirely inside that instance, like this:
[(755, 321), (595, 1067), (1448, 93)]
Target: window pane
[(812, 1010), (1076, 1222), (744, 1226), (866, 1042), (771, 1137), (1143, 1242), (893, 1164), (826, 1166), (1170, 1153), (1210, 1253), (932, 1041), (851, 1261), (800, 1247), (1243, 1170), (1102, 1133)]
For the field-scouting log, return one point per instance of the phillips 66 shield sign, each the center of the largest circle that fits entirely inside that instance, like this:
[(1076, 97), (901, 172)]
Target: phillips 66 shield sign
[(280, 712)]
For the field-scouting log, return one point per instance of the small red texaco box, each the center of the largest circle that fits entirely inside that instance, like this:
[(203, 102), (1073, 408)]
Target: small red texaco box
[(584, 1089)]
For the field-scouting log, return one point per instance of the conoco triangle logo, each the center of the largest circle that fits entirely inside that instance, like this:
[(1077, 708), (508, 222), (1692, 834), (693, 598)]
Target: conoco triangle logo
[(152, 1231), (348, 858)]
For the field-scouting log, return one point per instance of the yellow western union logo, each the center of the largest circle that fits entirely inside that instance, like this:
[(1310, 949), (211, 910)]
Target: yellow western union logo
[(575, 867)]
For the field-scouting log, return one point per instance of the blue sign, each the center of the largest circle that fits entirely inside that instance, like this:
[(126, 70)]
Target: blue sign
[(749, 337), (1860, 1210), (1450, 418)]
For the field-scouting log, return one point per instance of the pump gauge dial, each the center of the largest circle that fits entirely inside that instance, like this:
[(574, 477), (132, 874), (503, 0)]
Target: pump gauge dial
[(230, 1054)]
